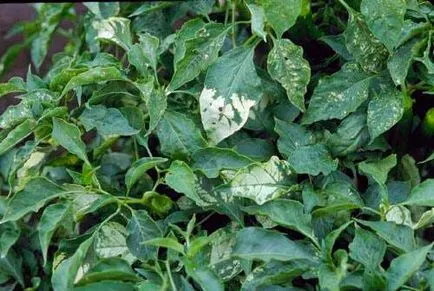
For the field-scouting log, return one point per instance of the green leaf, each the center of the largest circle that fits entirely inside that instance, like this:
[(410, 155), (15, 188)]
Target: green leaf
[(64, 274), (14, 85), (179, 136), (329, 242), (145, 53), (254, 243), (181, 178), (398, 236), (106, 285), (93, 76), (385, 19), (212, 160), (10, 233), (139, 167), (33, 197), (286, 65), (281, 15), (11, 265), (103, 9), (116, 30), (404, 266), (258, 20), (260, 182), (338, 95), (401, 59), (422, 194), (16, 135), (206, 278), (288, 213), (51, 15), (378, 170), (53, 217), (312, 159), (351, 134), (141, 227), (200, 52), (156, 102), (69, 136), (367, 248), (111, 241), (232, 87), (165, 242), (108, 122), (368, 51)]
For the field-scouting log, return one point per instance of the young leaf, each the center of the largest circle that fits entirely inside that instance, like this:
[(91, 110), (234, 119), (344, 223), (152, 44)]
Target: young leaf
[(35, 194), (54, 216), (397, 235), (258, 19), (254, 243), (422, 194), (367, 248), (232, 87), (288, 213), (404, 266), (109, 122), (93, 76), (16, 135), (139, 167), (144, 53), (286, 64), (212, 160), (378, 170), (179, 136), (69, 136)]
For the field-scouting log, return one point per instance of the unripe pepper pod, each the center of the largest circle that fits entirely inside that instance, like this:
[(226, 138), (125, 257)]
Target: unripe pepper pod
[(428, 123)]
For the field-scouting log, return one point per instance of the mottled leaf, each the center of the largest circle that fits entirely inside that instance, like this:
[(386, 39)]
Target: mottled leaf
[(286, 64), (232, 87)]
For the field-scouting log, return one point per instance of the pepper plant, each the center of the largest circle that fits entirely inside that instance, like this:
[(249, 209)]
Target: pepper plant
[(220, 145)]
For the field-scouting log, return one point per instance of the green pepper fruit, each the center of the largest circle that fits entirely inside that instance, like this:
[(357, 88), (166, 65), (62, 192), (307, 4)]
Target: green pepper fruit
[(428, 123)]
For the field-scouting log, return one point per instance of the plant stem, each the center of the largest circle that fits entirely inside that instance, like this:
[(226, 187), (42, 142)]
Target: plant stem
[(234, 6), (169, 273)]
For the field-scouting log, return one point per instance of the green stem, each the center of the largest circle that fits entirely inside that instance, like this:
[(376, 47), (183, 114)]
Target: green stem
[(234, 7), (169, 273)]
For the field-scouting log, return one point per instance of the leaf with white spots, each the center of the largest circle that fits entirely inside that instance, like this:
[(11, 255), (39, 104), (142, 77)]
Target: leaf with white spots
[(232, 87), (199, 53), (385, 19), (338, 95), (286, 64), (368, 51), (260, 182), (281, 14), (385, 108), (116, 30)]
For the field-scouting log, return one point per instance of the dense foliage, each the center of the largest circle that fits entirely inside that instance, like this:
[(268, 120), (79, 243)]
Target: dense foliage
[(221, 145)]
